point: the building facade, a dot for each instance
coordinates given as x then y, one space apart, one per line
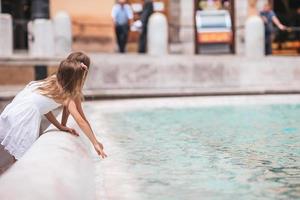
182 24
93 29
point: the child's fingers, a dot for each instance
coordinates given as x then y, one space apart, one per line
75 132
101 153
99 150
103 156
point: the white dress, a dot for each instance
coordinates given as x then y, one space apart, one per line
21 119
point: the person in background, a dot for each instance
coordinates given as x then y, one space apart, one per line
297 25
269 17
218 4
226 5
145 15
122 16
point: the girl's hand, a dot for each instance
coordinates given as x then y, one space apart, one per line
99 149
69 130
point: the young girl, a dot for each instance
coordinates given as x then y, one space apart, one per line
20 120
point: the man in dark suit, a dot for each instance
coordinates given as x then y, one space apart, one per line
145 15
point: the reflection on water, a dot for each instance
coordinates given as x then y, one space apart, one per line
212 153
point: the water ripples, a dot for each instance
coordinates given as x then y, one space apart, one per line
219 153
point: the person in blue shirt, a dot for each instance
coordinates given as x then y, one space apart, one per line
122 16
269 17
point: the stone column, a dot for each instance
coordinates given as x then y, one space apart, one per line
62 33
174 26
174 20
240 19
157 37
6 33
254 32
41 38
187 27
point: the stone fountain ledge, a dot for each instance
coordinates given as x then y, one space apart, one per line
58 166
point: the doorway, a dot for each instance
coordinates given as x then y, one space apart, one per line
214 26
21 14
287 42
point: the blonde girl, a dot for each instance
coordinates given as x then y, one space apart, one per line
20 121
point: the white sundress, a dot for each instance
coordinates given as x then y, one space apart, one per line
21 119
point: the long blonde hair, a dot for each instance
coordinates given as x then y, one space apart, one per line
68 81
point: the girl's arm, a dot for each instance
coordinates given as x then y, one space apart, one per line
86 128
61 127
80 110
278 23
66 113
65 116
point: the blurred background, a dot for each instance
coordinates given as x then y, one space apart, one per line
238 140
37 34
93 28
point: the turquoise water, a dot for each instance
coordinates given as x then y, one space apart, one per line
242 152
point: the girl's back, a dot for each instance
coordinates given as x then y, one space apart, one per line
20 120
